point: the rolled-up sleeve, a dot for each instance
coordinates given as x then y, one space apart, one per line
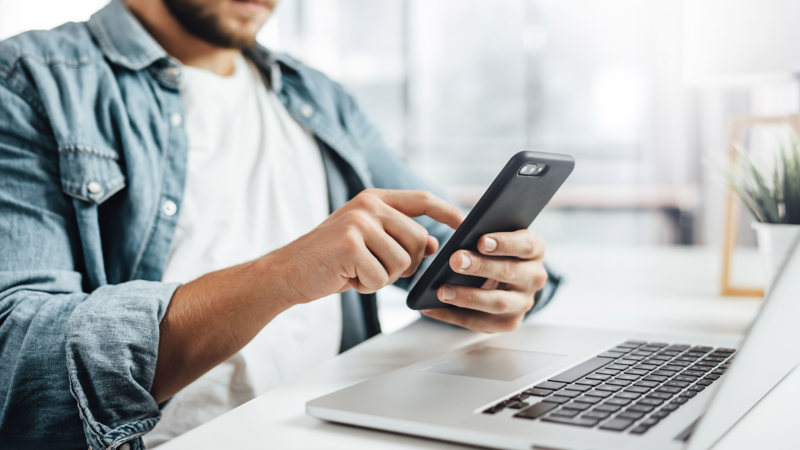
76 362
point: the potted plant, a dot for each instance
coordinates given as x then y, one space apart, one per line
772 194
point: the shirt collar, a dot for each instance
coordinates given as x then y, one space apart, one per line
123 39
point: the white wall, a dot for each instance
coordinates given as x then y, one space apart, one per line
17 16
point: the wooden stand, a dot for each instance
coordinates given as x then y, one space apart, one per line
738 127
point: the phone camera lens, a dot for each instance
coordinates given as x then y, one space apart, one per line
533 169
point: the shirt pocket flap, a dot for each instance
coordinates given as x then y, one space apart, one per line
90 175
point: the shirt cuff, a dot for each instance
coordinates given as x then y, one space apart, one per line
112 347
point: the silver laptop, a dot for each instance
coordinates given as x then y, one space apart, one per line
559 387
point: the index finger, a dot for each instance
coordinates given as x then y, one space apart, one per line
421 203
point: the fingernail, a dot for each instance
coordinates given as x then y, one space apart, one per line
490 244
464 262
448 293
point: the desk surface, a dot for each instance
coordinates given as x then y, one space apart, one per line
652 289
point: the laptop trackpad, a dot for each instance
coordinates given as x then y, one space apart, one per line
496 363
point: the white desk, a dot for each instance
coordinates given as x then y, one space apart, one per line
661 289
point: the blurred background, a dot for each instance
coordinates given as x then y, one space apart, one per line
640 92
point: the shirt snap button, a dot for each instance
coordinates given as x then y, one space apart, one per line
169 208
124 446
173 73
175 119
306 111
94 187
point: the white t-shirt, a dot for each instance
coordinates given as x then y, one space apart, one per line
255 182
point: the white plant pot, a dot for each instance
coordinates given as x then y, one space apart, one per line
773 244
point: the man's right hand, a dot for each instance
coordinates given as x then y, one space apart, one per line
368 243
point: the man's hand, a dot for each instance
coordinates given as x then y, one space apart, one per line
512 264
366 244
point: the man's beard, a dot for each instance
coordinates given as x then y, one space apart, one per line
205 25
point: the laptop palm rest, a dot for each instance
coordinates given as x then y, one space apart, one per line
495 363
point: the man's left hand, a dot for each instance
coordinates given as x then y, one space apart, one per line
512 264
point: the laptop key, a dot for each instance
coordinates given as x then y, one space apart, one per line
581 370
616 425
629 395
588 399
565 412
668 390
557 399
638 407
594 414
611 354
656 378
650 421
536 410
632 415
581 422
599 394
552 385
651 401
660 395
609 388
518 405
598 376
637 389
617 401
607 408
660 414
641 429
627 376
568 393
577 406
539 392
701 349
578 387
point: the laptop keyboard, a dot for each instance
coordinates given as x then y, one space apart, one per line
628 388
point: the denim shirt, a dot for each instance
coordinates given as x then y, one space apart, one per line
92 169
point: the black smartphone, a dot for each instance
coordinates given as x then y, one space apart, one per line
516 196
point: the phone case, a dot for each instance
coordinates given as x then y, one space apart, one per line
511 203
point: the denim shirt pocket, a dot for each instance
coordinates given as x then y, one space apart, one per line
89 173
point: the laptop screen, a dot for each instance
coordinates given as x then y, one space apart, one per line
767 355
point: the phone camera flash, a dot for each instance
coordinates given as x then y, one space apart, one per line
532 169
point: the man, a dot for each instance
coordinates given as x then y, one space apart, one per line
165 192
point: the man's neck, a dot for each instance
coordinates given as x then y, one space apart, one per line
179 43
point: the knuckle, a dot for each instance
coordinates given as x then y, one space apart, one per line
508 271
530 248
425 196
508 323
502 305
351 238
356 218
469 297
383 279
420 234
405 261
367 199
541 280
